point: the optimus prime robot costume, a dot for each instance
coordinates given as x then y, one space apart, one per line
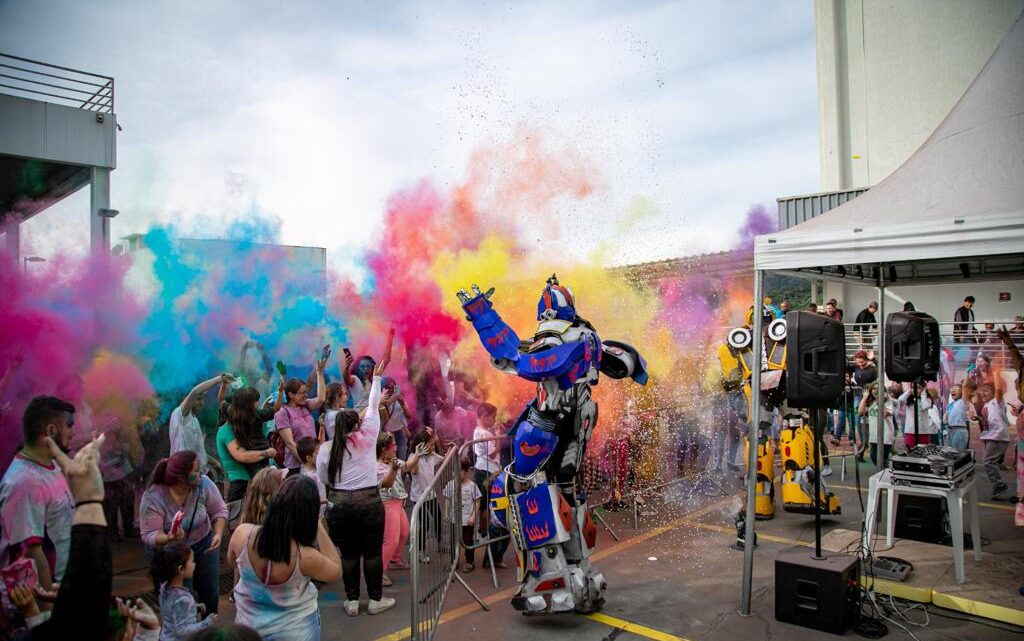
536 497
796 438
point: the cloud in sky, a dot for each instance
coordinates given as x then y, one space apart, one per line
316 112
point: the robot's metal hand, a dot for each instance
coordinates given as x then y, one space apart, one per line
464 296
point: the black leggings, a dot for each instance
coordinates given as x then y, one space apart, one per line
355 520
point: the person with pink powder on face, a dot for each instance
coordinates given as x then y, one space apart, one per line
36 506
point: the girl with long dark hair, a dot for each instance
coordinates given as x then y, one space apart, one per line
347 464
278 561
242 443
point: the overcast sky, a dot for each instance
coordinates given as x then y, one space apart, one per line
314 112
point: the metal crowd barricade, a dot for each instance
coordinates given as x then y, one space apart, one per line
487 540
434 536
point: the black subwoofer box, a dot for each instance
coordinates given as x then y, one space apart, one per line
920 518
820 594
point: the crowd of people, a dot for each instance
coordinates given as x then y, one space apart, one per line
317 481
968 406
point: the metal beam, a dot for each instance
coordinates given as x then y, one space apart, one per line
12 237
99 200
883 393
753 436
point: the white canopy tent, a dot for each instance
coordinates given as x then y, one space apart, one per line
953 211
960 195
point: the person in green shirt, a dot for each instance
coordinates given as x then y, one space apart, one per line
242 441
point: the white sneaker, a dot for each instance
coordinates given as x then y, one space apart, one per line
385 603
424 559
352 608
826 471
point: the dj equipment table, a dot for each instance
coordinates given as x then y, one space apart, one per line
954 496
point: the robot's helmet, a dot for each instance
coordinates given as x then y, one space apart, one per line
556 302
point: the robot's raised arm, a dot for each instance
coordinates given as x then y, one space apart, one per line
500 340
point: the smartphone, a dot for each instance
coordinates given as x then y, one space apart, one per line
325 353
281 368
21 572
179 516
348 354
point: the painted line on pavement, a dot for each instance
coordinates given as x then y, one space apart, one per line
633 628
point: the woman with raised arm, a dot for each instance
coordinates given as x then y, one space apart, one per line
347 464
295 418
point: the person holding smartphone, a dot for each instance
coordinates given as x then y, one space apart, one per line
295 418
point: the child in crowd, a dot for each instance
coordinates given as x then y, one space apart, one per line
337 400
488 458
262 487
393 495
171 566
425 444
308 447
957 434
995 435
918 423
469 499
869 408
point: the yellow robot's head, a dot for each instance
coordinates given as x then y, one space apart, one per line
767 312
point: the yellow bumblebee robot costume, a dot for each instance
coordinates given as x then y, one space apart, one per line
796 438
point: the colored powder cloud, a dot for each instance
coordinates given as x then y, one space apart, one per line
154 322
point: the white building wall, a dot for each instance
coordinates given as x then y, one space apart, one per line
889 72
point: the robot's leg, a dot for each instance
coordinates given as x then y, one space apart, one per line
764 504
797 441
558 577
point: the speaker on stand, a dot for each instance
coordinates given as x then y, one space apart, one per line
818 591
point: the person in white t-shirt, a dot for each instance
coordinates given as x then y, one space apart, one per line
36 506
995 437
347 464
425 444
185 431
469 500
925 419
488 457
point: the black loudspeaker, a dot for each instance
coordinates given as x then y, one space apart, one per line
920 518
823 594
815 360
911 347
